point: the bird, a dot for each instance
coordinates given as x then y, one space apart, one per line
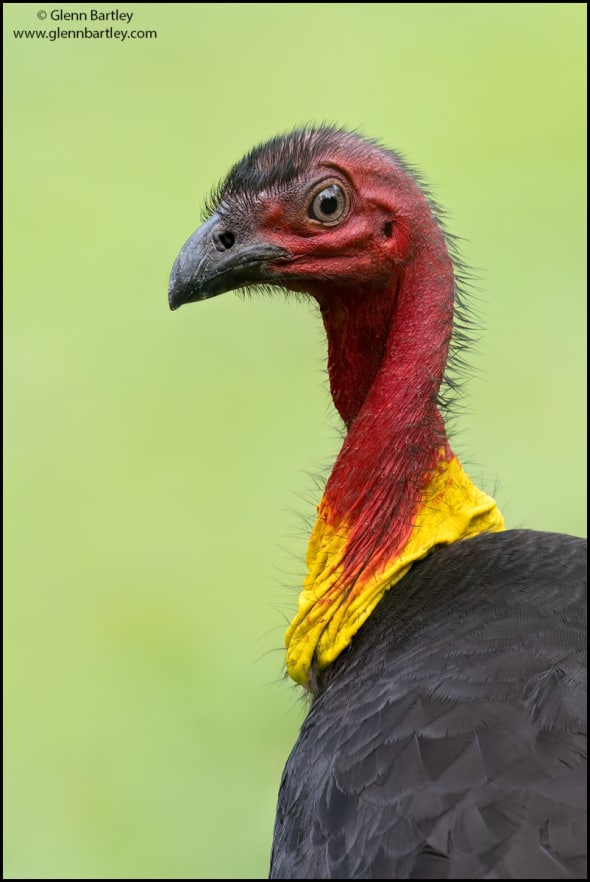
442 654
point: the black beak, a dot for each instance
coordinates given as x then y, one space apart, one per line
215 260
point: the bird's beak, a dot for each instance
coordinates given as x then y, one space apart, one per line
215 260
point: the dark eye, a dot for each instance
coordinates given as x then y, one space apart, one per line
329 205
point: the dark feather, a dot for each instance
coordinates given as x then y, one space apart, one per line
459 752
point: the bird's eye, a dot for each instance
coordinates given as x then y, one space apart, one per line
329 205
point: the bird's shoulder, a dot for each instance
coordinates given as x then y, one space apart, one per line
448 741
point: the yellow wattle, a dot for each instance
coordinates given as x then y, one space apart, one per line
330 612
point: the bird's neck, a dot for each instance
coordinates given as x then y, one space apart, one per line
387 352
393 337
396 490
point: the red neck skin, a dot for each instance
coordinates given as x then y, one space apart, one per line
386 365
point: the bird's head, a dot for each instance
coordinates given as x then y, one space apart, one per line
318 211
329 213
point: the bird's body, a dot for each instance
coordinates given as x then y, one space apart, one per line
448 741
444 656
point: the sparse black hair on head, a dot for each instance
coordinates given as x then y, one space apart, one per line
281 160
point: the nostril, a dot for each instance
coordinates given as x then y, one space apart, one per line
224 241
227 239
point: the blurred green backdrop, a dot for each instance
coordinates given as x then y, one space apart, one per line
157 465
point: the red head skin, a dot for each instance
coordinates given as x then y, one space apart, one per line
384 282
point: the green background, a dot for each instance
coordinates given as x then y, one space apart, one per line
159 466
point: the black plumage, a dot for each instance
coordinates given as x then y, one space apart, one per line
448 741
